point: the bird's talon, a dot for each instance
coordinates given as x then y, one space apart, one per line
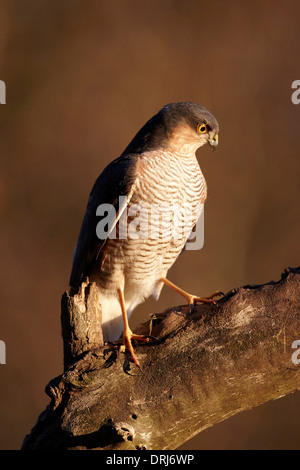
152 337
144 338
127 340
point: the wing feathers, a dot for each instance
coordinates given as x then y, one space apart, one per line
116 180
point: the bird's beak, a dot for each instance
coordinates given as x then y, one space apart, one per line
214 142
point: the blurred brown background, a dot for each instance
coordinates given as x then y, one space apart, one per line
82 77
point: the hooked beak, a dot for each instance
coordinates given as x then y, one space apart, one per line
214 142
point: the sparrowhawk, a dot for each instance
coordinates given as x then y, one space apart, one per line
158 168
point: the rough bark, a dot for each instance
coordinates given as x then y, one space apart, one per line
81 322
203 368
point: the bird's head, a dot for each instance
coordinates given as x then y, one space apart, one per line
179 127
189 126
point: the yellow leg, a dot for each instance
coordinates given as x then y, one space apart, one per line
191 299
127 333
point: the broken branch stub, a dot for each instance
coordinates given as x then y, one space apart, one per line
81 322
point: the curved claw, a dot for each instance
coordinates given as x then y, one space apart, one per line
152 337
127 369
144 338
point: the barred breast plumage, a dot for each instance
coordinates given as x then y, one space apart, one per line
157 171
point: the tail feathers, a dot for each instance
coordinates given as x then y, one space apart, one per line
112 321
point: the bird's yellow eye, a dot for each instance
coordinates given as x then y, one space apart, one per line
201 128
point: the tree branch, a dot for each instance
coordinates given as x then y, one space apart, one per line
203 368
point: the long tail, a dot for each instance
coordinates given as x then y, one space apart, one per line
112 321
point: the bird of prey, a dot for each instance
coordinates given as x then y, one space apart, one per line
158 168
